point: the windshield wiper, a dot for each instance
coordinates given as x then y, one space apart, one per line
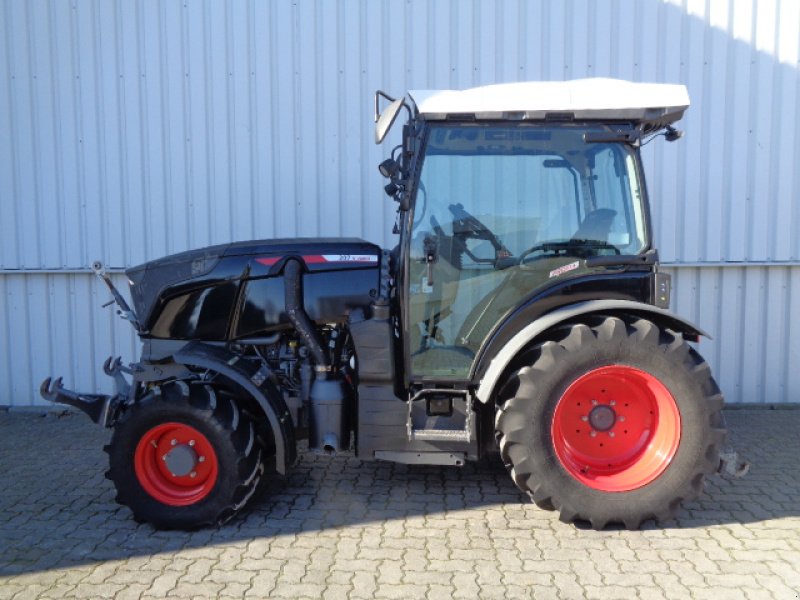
582 248
576 243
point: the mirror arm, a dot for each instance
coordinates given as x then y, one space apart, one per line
378 95
381 94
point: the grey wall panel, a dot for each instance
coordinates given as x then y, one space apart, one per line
129 130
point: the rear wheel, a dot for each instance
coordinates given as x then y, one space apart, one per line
185 456
613 421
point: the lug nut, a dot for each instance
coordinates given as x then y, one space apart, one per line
611 434
174 442
584 418
593 434
164 458
191 442
192 474
612 402
621 417
594 401
201 459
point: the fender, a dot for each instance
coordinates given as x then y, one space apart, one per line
254 382
529 333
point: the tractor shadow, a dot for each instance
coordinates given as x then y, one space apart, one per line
57 510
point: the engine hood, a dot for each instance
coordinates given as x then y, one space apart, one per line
150 281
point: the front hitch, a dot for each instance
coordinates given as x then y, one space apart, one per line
100 408
96 406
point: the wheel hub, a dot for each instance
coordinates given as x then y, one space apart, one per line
181 460
176 464
602 417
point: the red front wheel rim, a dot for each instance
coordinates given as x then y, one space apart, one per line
176 464
616 428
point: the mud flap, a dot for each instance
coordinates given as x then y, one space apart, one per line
254 379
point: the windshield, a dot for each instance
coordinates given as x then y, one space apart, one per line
534 184
502 211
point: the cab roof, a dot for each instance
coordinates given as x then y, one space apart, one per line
654 105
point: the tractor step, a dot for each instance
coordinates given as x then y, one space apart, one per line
440 435
462 433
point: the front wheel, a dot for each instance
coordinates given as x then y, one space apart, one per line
615 421
185 456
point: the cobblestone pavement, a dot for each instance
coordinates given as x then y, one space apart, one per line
338 528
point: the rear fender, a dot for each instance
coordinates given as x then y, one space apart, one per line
255 381
528 334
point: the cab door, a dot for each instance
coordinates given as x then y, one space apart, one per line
500 213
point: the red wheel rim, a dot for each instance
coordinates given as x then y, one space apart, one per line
176 464
616 428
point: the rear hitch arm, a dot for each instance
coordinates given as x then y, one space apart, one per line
100 408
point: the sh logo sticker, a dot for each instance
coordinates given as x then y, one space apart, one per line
564 269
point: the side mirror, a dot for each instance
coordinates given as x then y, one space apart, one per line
387 119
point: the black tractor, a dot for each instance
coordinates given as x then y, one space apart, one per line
521 313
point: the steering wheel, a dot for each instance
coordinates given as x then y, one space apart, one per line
468 226
578 248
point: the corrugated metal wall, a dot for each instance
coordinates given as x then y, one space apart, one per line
129 130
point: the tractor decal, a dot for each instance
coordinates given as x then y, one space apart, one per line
324 258
564 269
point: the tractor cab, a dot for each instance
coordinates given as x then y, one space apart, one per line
515 192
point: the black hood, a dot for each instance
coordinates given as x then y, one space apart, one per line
225 262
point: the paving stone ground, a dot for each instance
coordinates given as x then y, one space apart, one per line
340 528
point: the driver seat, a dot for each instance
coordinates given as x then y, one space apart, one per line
596 226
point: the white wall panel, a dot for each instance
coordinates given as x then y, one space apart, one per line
55 324
129 130
751 314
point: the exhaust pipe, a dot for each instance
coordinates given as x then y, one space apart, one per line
293 299
328 423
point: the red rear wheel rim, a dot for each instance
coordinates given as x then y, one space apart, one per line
616 428
176 464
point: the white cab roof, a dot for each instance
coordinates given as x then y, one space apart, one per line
597 98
